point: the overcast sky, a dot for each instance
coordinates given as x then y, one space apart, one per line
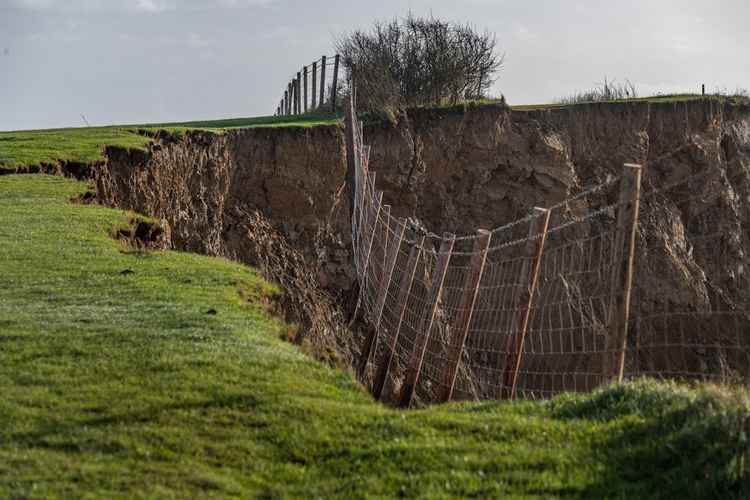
139 61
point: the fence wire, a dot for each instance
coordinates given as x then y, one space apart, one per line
311 89
519 312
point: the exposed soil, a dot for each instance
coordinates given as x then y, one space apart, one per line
277 197
141 234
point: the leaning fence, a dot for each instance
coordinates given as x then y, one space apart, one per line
602 286
315 87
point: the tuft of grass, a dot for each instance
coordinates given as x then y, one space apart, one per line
162 374
701 433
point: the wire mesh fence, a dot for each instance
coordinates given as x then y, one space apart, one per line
543 305
314 88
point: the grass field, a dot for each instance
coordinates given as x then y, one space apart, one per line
127 374
34 147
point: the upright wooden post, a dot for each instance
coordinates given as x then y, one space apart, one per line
621 279
349 123
385 284
291 98
530 275
334 89
304 87
299 92
314 95
322 101
425 328
465 312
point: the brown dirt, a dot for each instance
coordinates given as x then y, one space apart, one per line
452 170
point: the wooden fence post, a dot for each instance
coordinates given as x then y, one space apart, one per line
530 276
294 96
390 265
322 101
613 359
292 104
425 328
407 280
314 96
334 89
465 312
351 149
299 92
304 86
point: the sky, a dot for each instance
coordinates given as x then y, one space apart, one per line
145 61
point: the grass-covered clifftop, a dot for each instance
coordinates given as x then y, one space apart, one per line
86 144
129 373
23 149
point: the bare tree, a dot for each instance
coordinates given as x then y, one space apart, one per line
416 61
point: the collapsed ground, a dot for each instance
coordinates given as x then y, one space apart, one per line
140 373
129 371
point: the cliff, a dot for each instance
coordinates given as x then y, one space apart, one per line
258 195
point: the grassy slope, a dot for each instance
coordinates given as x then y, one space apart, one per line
33 147
121 385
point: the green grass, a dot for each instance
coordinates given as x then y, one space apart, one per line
86 145
118 381
662 98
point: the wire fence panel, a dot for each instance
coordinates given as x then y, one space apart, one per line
691 290
616 281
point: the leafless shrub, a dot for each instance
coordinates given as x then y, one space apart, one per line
416 61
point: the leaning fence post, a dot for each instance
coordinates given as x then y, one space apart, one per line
425 327
366 262
465 313
613 360
385 284
407 280
322 81
334 89
530 277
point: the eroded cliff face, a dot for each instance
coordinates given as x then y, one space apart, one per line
455 171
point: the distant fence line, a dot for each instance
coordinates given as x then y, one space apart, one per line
553 302
309 89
